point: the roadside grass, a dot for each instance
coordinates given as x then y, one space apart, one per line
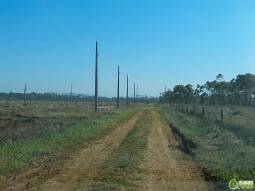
40 118
218 151
22 153
120 172
237 119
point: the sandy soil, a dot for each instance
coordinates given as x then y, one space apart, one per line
166 167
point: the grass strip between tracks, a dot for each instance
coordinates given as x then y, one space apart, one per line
120 171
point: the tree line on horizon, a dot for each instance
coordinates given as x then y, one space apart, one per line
238 91
61 97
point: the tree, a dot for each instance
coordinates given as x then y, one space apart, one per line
240 90
180 94
219 78
244 86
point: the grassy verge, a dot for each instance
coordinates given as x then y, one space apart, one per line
237 119
218 151
37 119
26 152
120 171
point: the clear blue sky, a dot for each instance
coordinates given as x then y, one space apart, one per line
50 44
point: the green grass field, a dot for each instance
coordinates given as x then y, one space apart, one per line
41 139
223 151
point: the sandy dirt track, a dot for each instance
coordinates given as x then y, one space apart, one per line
77 172
166 167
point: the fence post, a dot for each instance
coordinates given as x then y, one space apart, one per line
203 111
182 108
194 109
25 94
221 115
187 108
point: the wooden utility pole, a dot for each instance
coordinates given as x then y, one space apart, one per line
137 92
71 93
127 91
134 93
96 81
25 94
118 88
71 89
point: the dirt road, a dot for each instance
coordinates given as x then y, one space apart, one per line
80 169
77 173
166 167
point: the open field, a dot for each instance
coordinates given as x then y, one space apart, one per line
127 95
66 146
37 118
43 133
127 149
224 150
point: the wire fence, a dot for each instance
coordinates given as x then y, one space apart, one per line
214 115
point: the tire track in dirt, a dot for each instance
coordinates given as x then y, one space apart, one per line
165 166
78 172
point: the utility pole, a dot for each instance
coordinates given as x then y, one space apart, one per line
137 91
127 91
96 81
134 93
118 88
165 89
25 94
71 89
71 94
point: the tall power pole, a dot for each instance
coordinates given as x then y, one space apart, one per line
134 93
137 92
96 80
71 93
118 88
71 89
25 94
127 91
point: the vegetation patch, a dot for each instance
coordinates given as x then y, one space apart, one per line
37 119
219 152
21 153
120 171
185 144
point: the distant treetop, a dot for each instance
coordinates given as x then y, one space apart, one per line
219 78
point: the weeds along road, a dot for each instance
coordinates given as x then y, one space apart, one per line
141 154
